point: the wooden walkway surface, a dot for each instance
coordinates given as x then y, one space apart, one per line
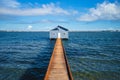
58 68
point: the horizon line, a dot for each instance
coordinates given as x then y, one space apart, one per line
49 30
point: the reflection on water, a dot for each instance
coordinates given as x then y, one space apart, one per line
91 55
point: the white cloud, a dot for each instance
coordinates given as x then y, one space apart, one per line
104 11
45 9
29 27
9 3
53 21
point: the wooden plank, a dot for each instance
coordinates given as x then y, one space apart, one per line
58 68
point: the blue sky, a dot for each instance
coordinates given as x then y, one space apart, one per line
40 15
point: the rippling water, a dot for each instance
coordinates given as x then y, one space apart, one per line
91 55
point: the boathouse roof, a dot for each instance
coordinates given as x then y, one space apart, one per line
59 27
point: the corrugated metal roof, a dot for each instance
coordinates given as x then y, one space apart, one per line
62 28
57 28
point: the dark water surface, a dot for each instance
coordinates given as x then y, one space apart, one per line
91 55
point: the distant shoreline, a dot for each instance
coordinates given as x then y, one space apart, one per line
69 31
24 31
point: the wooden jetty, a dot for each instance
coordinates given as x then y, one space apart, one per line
58 68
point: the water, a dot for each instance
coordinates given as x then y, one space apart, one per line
91 55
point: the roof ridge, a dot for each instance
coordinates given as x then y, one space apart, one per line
62 28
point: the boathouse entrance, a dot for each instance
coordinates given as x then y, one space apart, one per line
59 35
